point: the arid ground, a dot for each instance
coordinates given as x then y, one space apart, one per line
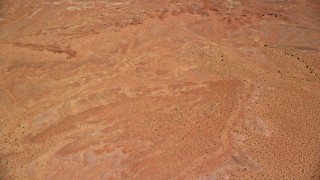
160 89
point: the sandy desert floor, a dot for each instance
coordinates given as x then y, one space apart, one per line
160 89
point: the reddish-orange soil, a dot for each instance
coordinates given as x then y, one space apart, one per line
160 89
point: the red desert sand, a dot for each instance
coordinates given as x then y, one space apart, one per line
160 89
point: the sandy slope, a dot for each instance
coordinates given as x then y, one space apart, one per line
141 89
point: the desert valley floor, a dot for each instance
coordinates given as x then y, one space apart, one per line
160 89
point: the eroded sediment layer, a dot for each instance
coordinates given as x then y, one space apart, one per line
159 89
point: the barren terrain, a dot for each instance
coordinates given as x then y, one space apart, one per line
160 89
